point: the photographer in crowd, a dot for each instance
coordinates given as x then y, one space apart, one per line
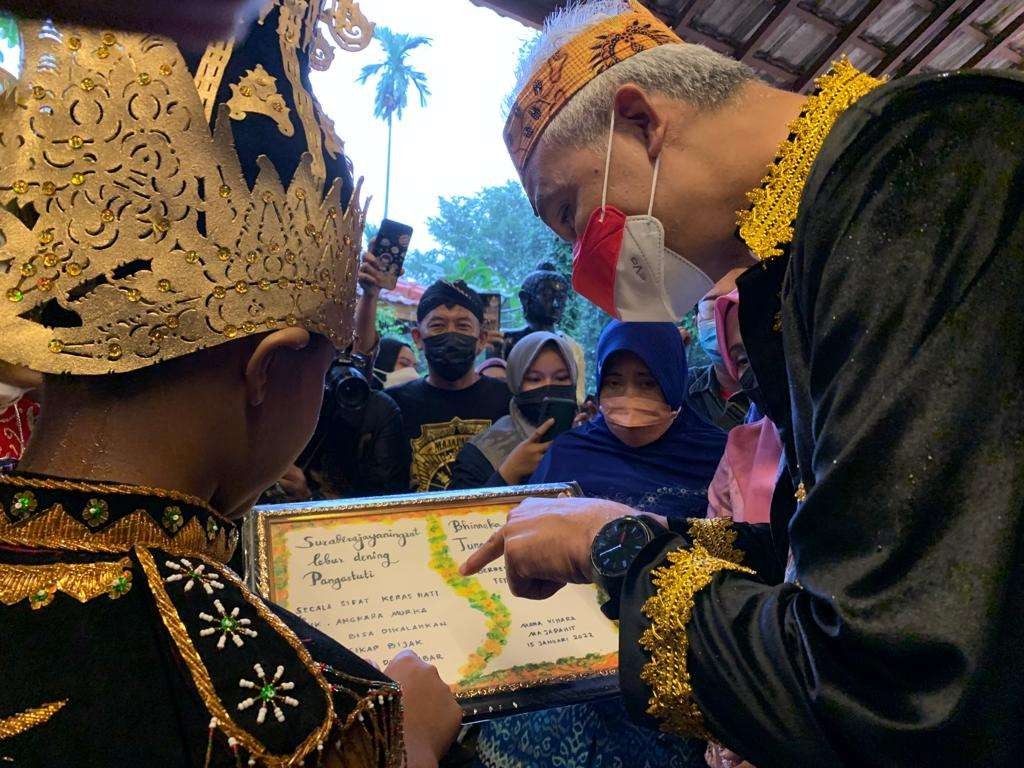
357 448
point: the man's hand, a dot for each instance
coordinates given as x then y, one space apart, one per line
432 716
526 457
546 543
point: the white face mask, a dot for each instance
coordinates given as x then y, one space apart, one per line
400 376
621 262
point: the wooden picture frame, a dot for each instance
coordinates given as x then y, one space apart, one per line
380 574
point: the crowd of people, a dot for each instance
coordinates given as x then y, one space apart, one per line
823 524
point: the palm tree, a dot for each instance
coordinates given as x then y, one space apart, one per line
394 76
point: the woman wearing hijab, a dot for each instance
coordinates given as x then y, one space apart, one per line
646 448
540 366
745 481
395 363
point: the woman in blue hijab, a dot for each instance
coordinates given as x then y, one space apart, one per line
647 448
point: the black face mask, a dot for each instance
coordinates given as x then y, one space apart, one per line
750 387
531 403
450 355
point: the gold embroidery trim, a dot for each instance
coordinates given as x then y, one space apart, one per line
717 536
122 489
768 224
30 718
57 529
669 609
201 676
256 93
83 581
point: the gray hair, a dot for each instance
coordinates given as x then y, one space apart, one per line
691 73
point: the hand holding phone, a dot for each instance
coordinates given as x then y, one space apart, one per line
389 248
562 410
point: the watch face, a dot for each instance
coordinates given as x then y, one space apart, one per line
618 544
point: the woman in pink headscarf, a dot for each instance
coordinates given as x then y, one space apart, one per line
745 479
743 484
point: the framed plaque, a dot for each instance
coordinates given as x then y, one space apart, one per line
380 575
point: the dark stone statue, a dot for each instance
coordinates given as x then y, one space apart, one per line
543 295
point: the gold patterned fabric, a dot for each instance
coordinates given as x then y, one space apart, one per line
38 514
153 207
596 50
669 609
717 536
83 581
767 226
30 718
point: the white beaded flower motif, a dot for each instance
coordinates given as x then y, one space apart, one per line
228 624
268 694
193 574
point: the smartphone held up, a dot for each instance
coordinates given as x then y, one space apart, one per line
390 247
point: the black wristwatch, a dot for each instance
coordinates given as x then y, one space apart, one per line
615 548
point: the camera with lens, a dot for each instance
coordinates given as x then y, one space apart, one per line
348 381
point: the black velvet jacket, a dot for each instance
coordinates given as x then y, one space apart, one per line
894 372
125 641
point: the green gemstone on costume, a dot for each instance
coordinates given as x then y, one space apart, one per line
24 504
267 692
121 585
173 519
228 624
96 512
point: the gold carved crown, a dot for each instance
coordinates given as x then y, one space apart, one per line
594 51
155 205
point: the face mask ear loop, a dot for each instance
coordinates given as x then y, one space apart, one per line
607 165
654 184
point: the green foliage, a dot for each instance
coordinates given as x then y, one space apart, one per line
388 323
492 240
394 74
8 32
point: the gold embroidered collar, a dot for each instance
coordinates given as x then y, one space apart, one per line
767 226
40 511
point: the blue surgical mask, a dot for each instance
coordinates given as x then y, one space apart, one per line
707 337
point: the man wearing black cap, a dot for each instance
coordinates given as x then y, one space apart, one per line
444 410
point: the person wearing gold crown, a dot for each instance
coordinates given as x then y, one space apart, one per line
876 621
179 246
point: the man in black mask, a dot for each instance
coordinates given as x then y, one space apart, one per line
442 411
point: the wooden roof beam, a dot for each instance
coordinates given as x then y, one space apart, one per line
936 31
997 44
857 25
745 52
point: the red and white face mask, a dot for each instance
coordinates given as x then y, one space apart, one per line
621 264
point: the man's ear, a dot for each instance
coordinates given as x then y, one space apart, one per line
260 362
633 106
417 337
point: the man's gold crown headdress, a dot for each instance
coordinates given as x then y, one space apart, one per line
594 51
156 204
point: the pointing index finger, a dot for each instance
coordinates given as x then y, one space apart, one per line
491 550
